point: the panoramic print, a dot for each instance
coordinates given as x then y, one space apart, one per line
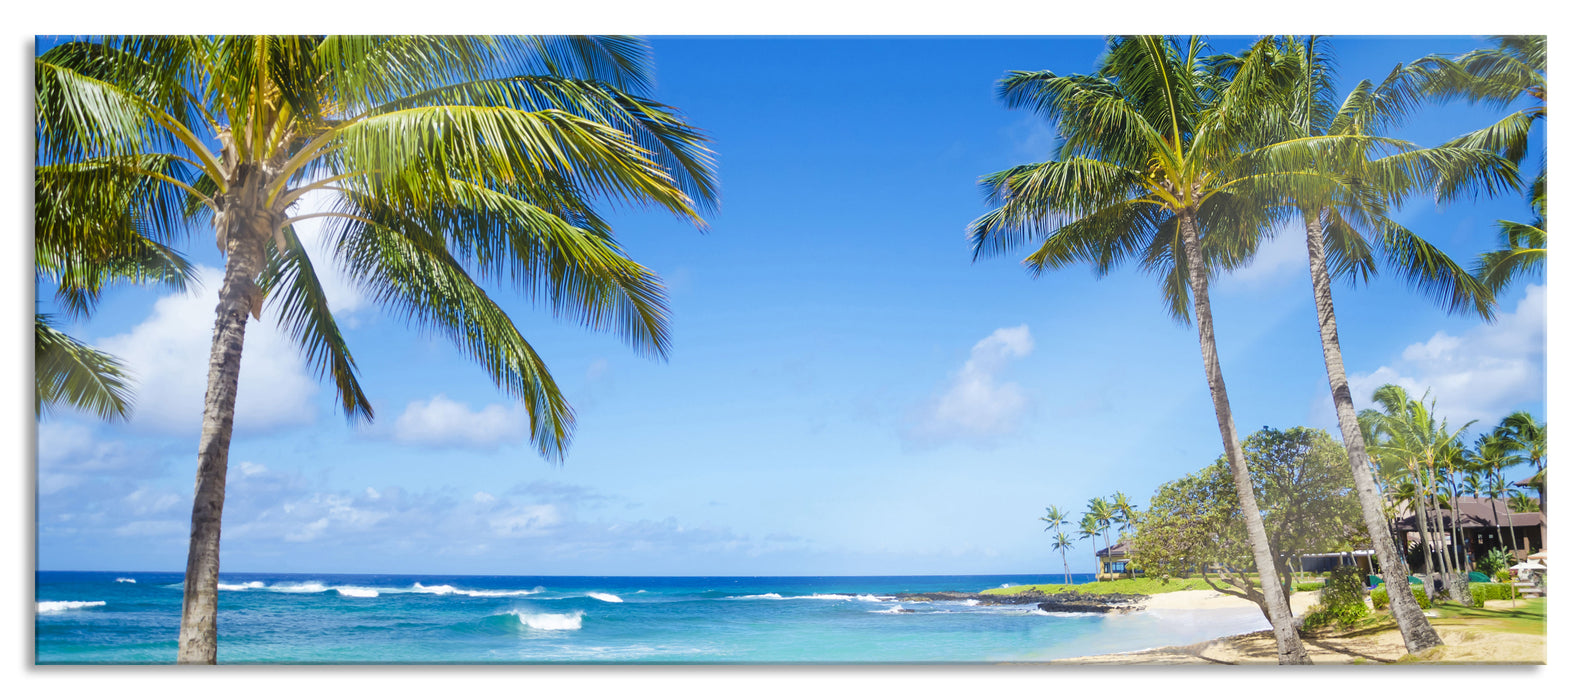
790 350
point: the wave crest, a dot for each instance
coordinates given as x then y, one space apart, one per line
53 606
551 621
606 597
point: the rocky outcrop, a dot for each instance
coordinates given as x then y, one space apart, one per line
1047 602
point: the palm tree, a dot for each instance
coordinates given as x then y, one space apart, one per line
1530 438
450 163
1498 488
1155 162
1103 513
1088 528
1420 444
80 259
1345 223
1061 544
1055 520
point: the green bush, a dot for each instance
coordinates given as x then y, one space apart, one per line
1316 585
1495 561
1341 602
1381 598
1489 591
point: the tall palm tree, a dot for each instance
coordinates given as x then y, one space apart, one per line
449 162
1346 224
1103 513
1155 162
1125 513
1499 489
1054 519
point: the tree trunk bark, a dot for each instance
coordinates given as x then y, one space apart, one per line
239 296
1285 632
1459 589
1424 532
1065 566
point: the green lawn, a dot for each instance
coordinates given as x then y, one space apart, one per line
1144 586
1530 618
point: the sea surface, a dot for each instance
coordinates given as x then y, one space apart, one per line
132 618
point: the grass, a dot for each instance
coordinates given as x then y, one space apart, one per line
1530 618
1144 586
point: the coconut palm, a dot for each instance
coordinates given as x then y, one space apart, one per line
80 259
1154 163
1125 514
448 163
1103 513
1347 228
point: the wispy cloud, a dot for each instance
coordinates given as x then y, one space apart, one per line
441 422
1479 375
977 405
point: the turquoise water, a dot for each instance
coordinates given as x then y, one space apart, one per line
132 618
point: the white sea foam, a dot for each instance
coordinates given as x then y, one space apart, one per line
871 599
126 580
447 589
1036 611
760 596
551 621
250 585
823 596
54 606
357 592
305 587
896 610
606 597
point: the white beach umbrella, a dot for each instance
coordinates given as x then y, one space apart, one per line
1529 565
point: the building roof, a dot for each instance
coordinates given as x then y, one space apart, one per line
1476 512
1119 549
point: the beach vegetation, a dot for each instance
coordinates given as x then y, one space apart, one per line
1381 598
1189 529
443 166
1343 602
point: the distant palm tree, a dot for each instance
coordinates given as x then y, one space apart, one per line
1061 544
1055 520
451 163
1089 529
1522 503
1103 513
1156 162
1531 439
1125 514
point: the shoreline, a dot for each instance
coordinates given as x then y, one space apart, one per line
1380 645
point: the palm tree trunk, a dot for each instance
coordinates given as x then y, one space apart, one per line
1065 566
1458 579
1423 533
239 296
1415 630
1285 633
1098 565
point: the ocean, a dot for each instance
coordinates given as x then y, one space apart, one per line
132 618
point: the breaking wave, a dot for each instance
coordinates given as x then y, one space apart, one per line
606 597
53 606
126 580
550 621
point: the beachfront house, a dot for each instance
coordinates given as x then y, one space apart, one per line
1115 561
1482 530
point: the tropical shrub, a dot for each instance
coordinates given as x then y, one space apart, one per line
1312 586
1495 561
1381 598
1342 602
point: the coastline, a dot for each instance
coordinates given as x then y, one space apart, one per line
1372 646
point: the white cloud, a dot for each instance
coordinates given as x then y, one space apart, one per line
977 405
1279 259
441 422
168 353
1480 375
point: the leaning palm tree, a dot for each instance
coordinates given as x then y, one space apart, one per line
1154 163
448 163
1103 513
1347 228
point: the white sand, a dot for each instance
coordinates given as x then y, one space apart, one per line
1211 600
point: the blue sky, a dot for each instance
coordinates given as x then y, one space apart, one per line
847 394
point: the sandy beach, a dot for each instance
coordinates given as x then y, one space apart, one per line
1463 644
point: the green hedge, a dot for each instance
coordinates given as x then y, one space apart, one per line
1381 598
1314 586
1489 591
